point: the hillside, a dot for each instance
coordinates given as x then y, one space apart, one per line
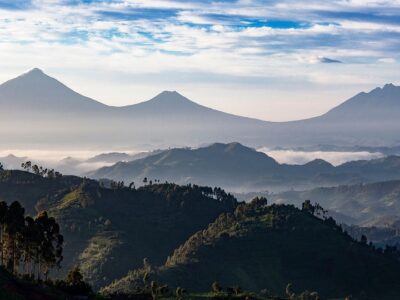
266 247
12 288
240 169
55 113
111 230
356 204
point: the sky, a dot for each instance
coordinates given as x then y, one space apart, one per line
272 60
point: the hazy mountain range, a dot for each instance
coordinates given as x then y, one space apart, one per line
367 205
36 109
239 168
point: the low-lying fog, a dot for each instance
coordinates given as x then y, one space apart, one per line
74 162
302 157
80 162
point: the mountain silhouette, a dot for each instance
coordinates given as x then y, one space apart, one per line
239 168
38 109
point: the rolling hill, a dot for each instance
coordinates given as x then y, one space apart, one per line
58 115
263 247
109 231
239 168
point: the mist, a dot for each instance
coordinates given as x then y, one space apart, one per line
333 157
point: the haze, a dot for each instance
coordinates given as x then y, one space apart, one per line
273 60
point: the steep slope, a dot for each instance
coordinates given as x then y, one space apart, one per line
239 168
367 119
377 105
37 92
109 231
266 247
119 228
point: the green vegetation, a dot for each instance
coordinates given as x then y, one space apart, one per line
28 246
181 242
265 247
109 231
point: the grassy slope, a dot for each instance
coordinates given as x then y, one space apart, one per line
110 231
266 248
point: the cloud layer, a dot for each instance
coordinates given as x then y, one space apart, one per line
209 49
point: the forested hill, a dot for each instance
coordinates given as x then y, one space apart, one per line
261 247
238 168
109 230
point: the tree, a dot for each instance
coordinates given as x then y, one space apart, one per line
27 241
308 207
74 277
216 287
27 166
14 228
364 240
36 169
1 167
145 180
3 215
50 243
289 292
75 283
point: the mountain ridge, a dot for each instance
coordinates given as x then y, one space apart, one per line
239 168
56 113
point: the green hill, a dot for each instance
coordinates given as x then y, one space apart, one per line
262 247
109 231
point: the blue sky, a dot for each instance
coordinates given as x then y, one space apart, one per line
275 60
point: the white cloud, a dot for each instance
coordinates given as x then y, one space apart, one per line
302 157
204 37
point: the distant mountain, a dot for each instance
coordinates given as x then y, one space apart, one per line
37 92
112 157
12 162
262 247
377 105
367 205
57 115
239 168
367 119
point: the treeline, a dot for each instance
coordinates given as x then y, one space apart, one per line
30 247
39 170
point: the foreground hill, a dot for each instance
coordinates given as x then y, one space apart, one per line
55 113
13 288
266 247
239 168
111 230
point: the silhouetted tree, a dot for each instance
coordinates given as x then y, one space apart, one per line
27 166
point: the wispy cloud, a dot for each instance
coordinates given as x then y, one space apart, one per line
263 41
